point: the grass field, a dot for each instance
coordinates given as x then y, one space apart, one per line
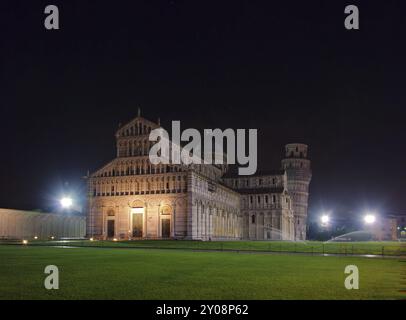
101 273
346 248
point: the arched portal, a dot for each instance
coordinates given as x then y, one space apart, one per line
165 217
111 223
137 217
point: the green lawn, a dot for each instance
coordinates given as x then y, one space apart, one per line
349 248
91 273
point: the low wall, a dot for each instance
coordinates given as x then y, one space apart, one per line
19 224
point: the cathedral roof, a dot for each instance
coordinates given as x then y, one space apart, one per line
260 190
230 175
138 120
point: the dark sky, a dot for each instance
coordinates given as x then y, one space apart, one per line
288 68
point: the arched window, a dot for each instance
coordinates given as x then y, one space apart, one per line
253 218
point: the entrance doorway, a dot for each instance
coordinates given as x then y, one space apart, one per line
137 222
166 228
110 228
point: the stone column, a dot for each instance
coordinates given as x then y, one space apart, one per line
129 227
191 222
234 226
214 223
228 224
103 222
173 221
202 222
199 218
207 223
145 222
210 224
158 226
223 223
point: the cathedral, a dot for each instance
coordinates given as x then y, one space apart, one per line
130 198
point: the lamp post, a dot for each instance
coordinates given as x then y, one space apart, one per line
325 219
371 226
369 218
66 202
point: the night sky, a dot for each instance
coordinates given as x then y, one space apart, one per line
289 69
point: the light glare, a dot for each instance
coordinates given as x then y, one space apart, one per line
66 202
369 218
325 219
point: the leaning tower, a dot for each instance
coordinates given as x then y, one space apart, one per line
299 174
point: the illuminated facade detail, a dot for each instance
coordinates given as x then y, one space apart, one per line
130 198
266 206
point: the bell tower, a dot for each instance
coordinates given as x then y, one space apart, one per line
299 174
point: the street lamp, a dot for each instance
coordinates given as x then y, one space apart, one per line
325 219
66 202
369 218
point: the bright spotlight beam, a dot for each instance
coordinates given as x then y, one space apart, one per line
369 218
325 219
66 202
